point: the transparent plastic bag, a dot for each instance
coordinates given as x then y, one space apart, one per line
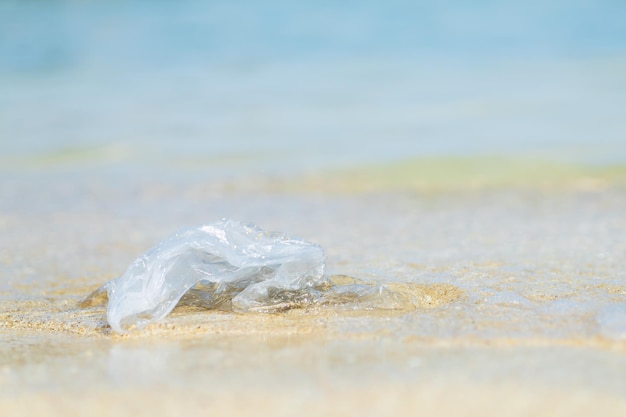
238 262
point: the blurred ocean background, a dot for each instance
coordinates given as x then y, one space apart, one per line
278 86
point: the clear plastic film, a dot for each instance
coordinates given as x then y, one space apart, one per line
238 267
238 262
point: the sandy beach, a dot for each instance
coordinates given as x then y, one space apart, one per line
513 303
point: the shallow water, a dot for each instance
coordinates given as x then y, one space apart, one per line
549 261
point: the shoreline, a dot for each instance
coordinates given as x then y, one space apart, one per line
536 270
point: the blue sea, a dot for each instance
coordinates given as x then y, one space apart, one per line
279 86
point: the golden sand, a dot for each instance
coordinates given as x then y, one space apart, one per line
61 359
471 324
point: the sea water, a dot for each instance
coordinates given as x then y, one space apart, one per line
279 86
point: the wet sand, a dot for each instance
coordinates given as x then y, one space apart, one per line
511 302
60 360
276 374
220 363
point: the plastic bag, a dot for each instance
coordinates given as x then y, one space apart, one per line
239 262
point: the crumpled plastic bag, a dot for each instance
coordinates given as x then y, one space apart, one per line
238 261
